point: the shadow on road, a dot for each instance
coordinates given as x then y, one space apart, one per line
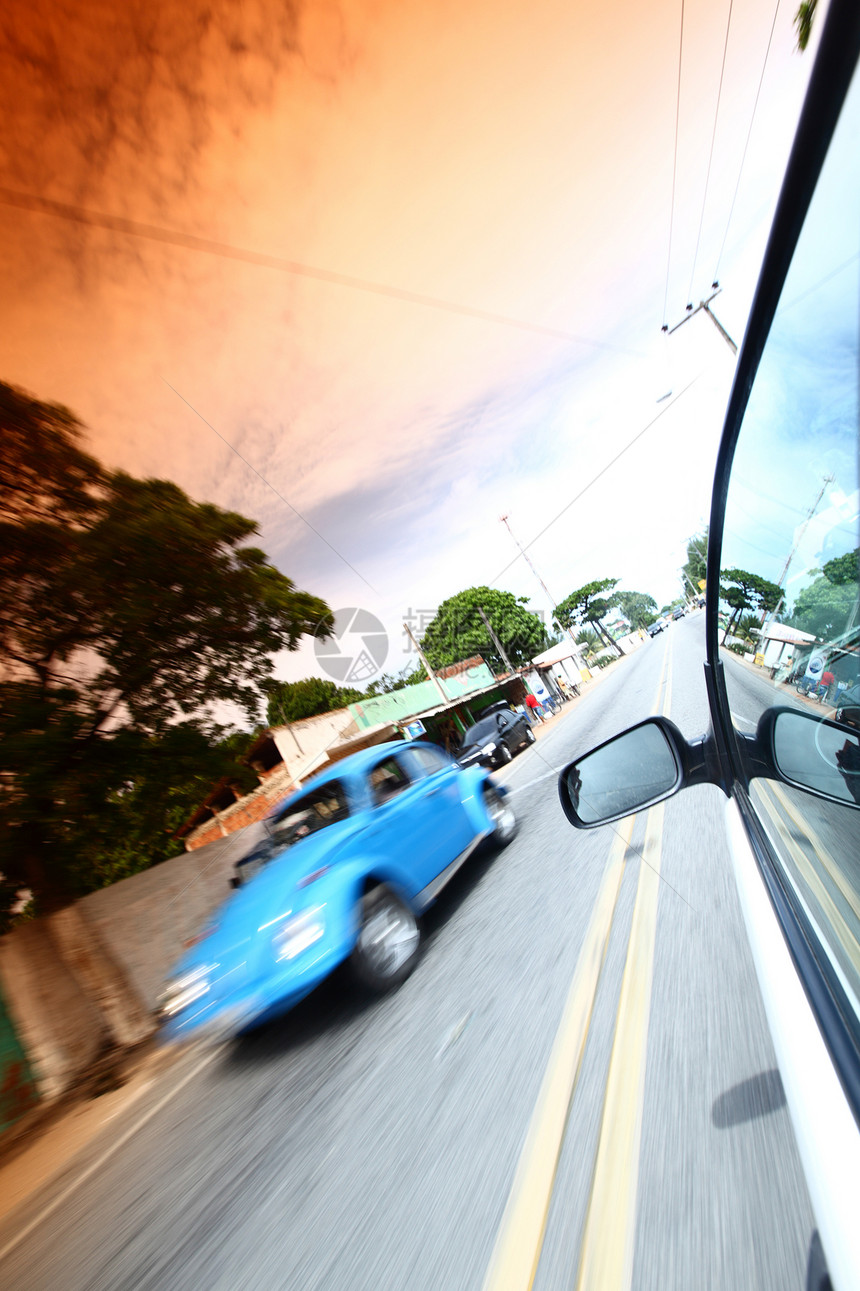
332 1009
758 1096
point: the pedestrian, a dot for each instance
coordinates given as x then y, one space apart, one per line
533 707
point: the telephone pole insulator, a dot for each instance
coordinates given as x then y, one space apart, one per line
705 305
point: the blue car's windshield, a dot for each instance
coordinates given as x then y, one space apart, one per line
314 811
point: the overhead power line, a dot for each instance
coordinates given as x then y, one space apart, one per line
595 478
749 135
269 485
711 153
674 167
706 306
191 242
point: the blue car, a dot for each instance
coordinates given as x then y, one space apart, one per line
345 869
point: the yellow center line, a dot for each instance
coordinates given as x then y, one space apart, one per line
514 1262
667 697
608 1242
518 1245
606 1255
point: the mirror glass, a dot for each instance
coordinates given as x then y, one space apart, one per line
790 610
818 755
629 772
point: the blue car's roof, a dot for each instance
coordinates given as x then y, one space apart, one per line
350 768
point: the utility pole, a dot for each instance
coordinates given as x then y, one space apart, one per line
828 479
290 729
695 590
551 599
496 642
430 673
705 305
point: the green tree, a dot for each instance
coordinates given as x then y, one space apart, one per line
843 570
44 473
825 608
590 641
589 605
746 627
290 701
154 787
458 632
745 591
695 567
123 610
803 22
390 681
638 608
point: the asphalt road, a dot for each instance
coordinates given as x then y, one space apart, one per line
388 1145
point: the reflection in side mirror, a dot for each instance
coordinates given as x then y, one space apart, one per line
818 755
633 770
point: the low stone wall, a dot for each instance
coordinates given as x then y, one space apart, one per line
57 1025
144 923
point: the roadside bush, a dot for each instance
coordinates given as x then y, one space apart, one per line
602 660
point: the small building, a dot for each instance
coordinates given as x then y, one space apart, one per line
562 662
781 646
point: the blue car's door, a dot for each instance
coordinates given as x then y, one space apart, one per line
418 823
443 782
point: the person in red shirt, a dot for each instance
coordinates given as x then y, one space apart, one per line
827 680
533 706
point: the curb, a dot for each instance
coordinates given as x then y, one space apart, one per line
46 1144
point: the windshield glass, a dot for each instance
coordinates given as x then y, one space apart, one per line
307 815
790 629
317 809
481 732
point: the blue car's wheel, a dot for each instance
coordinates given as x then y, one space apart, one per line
502 816
388 942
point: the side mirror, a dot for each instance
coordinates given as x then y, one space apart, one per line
652 761
813 753
633 770
235 882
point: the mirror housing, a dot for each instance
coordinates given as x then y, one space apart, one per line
636 769
652 761
811 753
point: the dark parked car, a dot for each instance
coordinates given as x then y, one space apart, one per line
495 738
848 707
653 628
790 776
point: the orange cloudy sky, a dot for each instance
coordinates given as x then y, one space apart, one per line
407 260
